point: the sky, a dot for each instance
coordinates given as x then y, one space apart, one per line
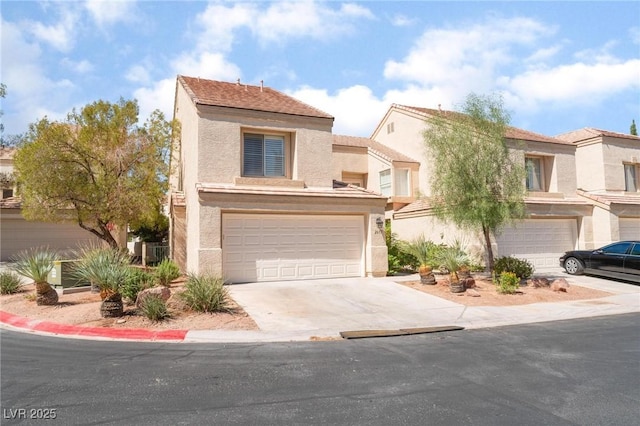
559 66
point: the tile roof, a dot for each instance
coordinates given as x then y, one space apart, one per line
511 133
384 151
10 203
586 133
609 198
244 96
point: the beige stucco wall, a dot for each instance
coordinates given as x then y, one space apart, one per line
407 139
348 159
589 167
616 152
213 205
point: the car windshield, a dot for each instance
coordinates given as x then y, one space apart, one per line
617 248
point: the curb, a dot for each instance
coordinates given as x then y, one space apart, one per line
27 324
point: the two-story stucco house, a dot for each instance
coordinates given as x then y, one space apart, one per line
253 190
608 177
557 219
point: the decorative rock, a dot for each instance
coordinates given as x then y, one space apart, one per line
473 293
468 282
121 321
538 282
560 285
163 292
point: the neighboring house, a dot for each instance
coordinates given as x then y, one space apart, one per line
608 177
253 191
557 219
17 234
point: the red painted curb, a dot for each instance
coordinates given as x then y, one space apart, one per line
77 330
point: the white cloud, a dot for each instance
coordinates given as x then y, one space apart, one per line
109 12
573 84
206 65
402 21
139 73
634 35
80 67
60 35
159 96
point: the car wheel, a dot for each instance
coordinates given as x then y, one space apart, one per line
573 266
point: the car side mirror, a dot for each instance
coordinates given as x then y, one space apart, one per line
598 251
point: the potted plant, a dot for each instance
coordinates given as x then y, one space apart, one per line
453 259
36 264
422 249
108 269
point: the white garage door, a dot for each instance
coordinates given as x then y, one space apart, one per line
270 247
629 229
540 241
19 234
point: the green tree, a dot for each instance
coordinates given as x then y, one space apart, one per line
632 129
97 168
476 182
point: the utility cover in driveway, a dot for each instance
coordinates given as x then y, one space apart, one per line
275 247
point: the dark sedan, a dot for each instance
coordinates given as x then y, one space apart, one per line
618 260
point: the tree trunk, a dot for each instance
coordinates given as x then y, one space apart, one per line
487 241
45 294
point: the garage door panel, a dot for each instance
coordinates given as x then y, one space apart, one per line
629 228
540 241
280 247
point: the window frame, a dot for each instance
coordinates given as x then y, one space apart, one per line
265 137
634 184
406 173
387 189
542 185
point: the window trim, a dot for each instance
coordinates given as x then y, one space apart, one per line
266 134
541 173
636 172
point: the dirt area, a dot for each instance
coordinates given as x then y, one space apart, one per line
83 308
489 296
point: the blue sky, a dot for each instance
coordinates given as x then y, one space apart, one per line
560 66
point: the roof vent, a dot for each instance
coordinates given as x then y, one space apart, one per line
238 82
261 85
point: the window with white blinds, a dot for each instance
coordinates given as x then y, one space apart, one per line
263 155
385 182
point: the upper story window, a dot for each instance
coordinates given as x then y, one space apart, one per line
263 155
631 177
535 173
390 128
385 182
401 180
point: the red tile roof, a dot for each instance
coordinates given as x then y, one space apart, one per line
378 148
244 96
511 133
587 133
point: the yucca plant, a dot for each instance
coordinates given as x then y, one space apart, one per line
205 293
108 269
452 259
36 263
166 271
10 282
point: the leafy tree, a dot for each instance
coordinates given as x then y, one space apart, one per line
151 229
476 183
632 129
98 168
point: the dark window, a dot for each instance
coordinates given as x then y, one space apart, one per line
263 155
7 193
635 251
617 248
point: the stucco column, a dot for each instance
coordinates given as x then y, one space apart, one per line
376 253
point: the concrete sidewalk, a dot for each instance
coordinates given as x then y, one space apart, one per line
320 309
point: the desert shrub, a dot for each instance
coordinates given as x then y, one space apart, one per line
10 282
166 271
102 266
507 283
137 281
398 259
205 293
523 269
154 308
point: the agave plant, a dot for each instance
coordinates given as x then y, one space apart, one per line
108 269
36 263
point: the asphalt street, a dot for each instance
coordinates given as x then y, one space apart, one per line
584 371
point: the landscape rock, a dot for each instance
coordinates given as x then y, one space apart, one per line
539 282
473 293
469 282
560 285
162 292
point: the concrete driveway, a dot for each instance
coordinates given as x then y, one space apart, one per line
342 304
